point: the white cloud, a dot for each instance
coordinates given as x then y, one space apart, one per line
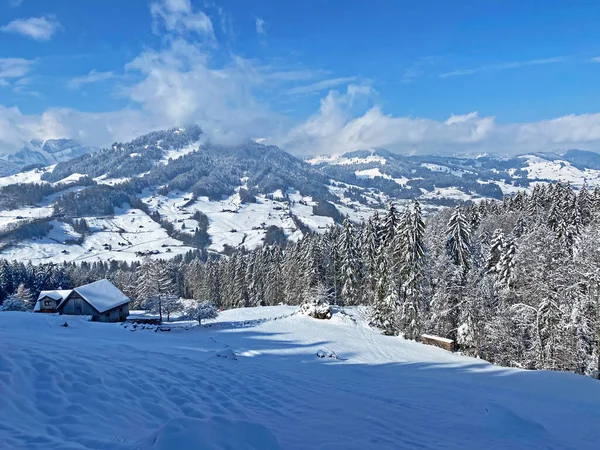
38 28
15 3
321 86
92 77
89 128
418 68
595 59
565 131
178 16
13 68
180 82
461 118
503 66
334 129
261 27
186 81
178 85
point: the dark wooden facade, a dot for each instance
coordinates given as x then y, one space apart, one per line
47 305
76 305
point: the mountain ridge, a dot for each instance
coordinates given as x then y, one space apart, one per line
171 192
45 152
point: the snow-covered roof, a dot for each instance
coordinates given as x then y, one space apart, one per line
57 295
102 295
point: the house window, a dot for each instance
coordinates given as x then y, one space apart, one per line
47 303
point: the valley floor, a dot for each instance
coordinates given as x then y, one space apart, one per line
101 386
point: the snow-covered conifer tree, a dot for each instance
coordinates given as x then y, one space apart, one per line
506 263
13 303
25 295
350 265
459 240
495 252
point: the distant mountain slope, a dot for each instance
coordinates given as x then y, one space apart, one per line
172 192
8 168
189 193
45 153
443 179
583 159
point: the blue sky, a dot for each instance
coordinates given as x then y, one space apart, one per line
318 76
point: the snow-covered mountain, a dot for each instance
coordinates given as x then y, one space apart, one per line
173 192
165 194
446 179
45 153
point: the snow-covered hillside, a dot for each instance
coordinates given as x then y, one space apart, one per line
438 178
129 235
242 194
280 196
102 386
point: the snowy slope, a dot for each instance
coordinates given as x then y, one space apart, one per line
129 235
29 176
507 174
286 189
102 386
345 160
560 170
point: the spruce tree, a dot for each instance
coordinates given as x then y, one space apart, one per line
25 295
506 263
459 240
350 266
496 247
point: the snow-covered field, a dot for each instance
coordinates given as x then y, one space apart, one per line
447 193
123 237
14 216
559 170
101 386
30 176
445 169
343 160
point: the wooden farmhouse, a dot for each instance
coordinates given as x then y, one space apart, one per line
48 301
101 300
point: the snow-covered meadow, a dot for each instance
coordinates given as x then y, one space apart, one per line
103 386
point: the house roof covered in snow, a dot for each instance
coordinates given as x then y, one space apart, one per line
102 295
57 295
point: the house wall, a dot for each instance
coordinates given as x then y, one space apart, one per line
118 314
47 309
77 306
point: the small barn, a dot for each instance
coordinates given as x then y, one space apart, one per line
102 300
48 301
